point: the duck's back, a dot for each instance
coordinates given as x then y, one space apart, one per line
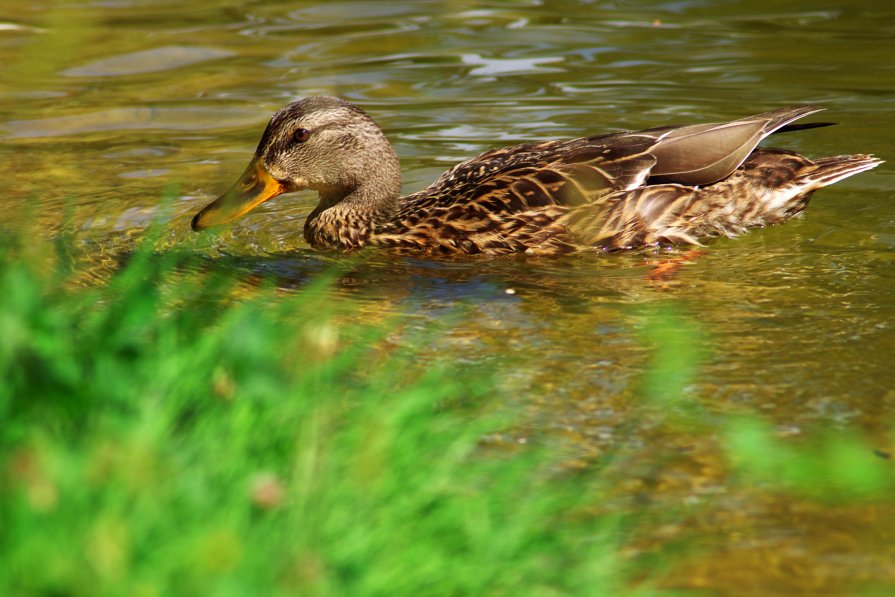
596 165
615 191
506 199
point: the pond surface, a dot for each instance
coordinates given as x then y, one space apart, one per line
106 107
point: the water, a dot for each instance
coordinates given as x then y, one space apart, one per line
105 107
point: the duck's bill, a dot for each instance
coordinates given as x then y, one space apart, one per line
253 188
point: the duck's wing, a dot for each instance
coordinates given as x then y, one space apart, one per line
522 177
701 154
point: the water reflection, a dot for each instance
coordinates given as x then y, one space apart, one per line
147 61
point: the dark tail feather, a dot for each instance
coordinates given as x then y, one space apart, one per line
802 126
826 171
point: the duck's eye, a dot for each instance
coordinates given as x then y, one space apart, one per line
301 135
249 181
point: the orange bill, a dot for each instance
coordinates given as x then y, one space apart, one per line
253 188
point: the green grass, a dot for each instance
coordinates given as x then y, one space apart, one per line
160 437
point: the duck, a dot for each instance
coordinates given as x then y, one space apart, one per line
667 185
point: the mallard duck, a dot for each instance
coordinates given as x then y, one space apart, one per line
671 184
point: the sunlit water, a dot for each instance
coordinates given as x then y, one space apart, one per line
106 107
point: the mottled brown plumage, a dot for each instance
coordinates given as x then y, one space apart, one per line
673 184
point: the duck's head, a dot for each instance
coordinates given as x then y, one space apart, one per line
321 143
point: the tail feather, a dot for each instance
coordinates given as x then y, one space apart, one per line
802 126
826 171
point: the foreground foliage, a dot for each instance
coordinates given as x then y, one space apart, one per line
160 437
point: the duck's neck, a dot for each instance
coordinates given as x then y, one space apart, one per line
344 218
362 195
